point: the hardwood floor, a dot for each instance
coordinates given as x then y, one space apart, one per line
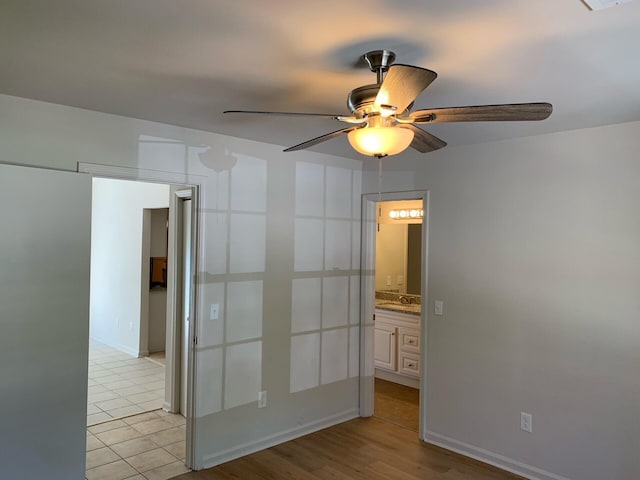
397 404
361 449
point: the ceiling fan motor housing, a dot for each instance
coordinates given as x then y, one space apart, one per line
361 100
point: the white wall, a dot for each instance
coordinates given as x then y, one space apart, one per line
116 259
534 250
279 253
44 309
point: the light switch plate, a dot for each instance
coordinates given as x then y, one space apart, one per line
438 307
262 399
214 313
400 279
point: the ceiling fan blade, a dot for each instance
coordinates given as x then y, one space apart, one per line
422 141
341 118
286 114
323 138
401 86
484 113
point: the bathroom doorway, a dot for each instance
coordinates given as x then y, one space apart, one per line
398 265
394 255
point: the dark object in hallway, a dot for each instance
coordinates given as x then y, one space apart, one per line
364 448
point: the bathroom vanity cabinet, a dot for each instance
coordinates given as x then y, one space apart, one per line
397 346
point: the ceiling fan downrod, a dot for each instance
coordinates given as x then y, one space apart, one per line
379 62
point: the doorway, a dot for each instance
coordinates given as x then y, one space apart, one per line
398 266
394 265
175 417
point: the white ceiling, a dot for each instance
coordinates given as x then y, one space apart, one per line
183 62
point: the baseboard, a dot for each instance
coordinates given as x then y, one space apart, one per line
276 439
396 378
485 456
117 346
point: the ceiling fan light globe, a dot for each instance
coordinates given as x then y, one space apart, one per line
380 141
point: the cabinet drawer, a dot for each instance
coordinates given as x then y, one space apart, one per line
409 364
409 340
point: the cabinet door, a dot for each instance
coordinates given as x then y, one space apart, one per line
385 347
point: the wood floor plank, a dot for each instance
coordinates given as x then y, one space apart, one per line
361 449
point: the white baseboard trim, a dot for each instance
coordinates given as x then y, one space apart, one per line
485 456
117 346
271 440
396 378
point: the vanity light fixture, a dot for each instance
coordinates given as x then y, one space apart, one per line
406 214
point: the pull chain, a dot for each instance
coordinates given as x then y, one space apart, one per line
379 190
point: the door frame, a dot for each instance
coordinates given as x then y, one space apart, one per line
194 183
367 299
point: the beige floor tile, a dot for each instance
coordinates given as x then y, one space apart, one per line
95 418
136 477
98 373
167 437
176 449
118 435
105 427
166 472
150 460
119 384
112 471
143 397
126 391
158 385
125 411
91 409
109 378
101 456
96 389
152 426
101 397
175 420
93 443
143 417
151 404
134 446
113 403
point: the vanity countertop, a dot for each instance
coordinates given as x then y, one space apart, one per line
393 306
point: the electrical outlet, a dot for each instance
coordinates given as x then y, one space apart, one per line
526 422
262 399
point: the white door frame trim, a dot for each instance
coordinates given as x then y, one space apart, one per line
194 186
367 299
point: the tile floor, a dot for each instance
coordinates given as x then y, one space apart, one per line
147 446
121 384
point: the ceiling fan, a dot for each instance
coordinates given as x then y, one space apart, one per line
381 122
